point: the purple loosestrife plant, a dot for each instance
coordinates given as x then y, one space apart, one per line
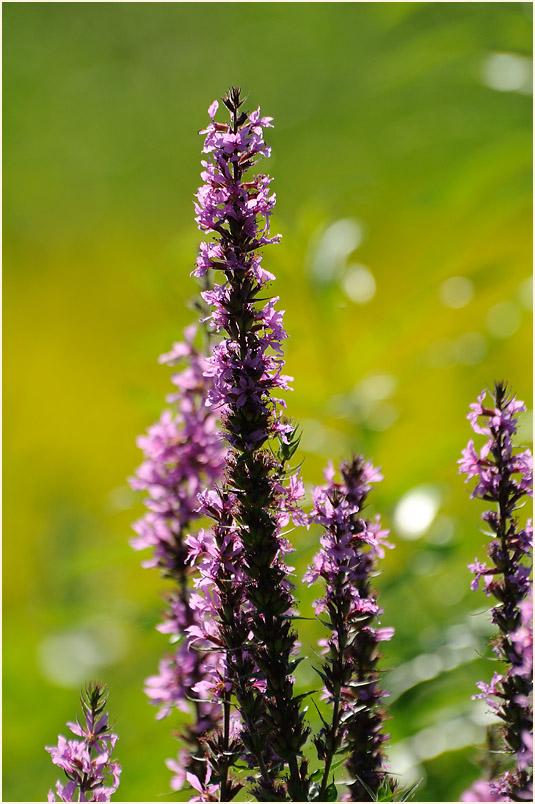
183 456
255 617
223 624
233 608
91 775
504 478
350 548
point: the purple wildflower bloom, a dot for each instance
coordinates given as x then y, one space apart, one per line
184 456
178 768
482 790
207 791
346 562
251 593
87 762
505 477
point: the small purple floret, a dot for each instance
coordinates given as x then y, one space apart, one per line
505 477
91 774
350 548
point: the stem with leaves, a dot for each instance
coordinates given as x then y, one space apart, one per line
505 478
350 548
246 368
87 762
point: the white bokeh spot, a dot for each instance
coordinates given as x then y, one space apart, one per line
508 72
359 283
456 292
416 511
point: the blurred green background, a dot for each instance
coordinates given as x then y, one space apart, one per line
402 165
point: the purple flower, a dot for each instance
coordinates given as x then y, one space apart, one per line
208 792
183 455
482 790
496 467
346 562
521 656
504 477
177 677
178 767
247 581
91 774
481 571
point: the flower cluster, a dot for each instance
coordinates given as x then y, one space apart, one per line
482 790
222 455
505 477
245 369
87 762
246 366
346 562
184 455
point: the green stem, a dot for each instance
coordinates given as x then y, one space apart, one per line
331 751
294 786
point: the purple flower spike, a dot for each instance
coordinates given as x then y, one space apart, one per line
350 548
505 477
91 774
249 592
183 458
183 455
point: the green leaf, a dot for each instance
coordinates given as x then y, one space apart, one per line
321 674
337 764
408 792
299 698
293 663
321 716
331 794
370 792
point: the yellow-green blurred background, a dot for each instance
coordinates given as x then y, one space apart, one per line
402 165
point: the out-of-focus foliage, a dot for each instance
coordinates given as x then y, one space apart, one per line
401 157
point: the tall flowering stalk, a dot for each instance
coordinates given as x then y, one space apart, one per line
233 608
87 762
350 548
183 455
505 477
246 371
